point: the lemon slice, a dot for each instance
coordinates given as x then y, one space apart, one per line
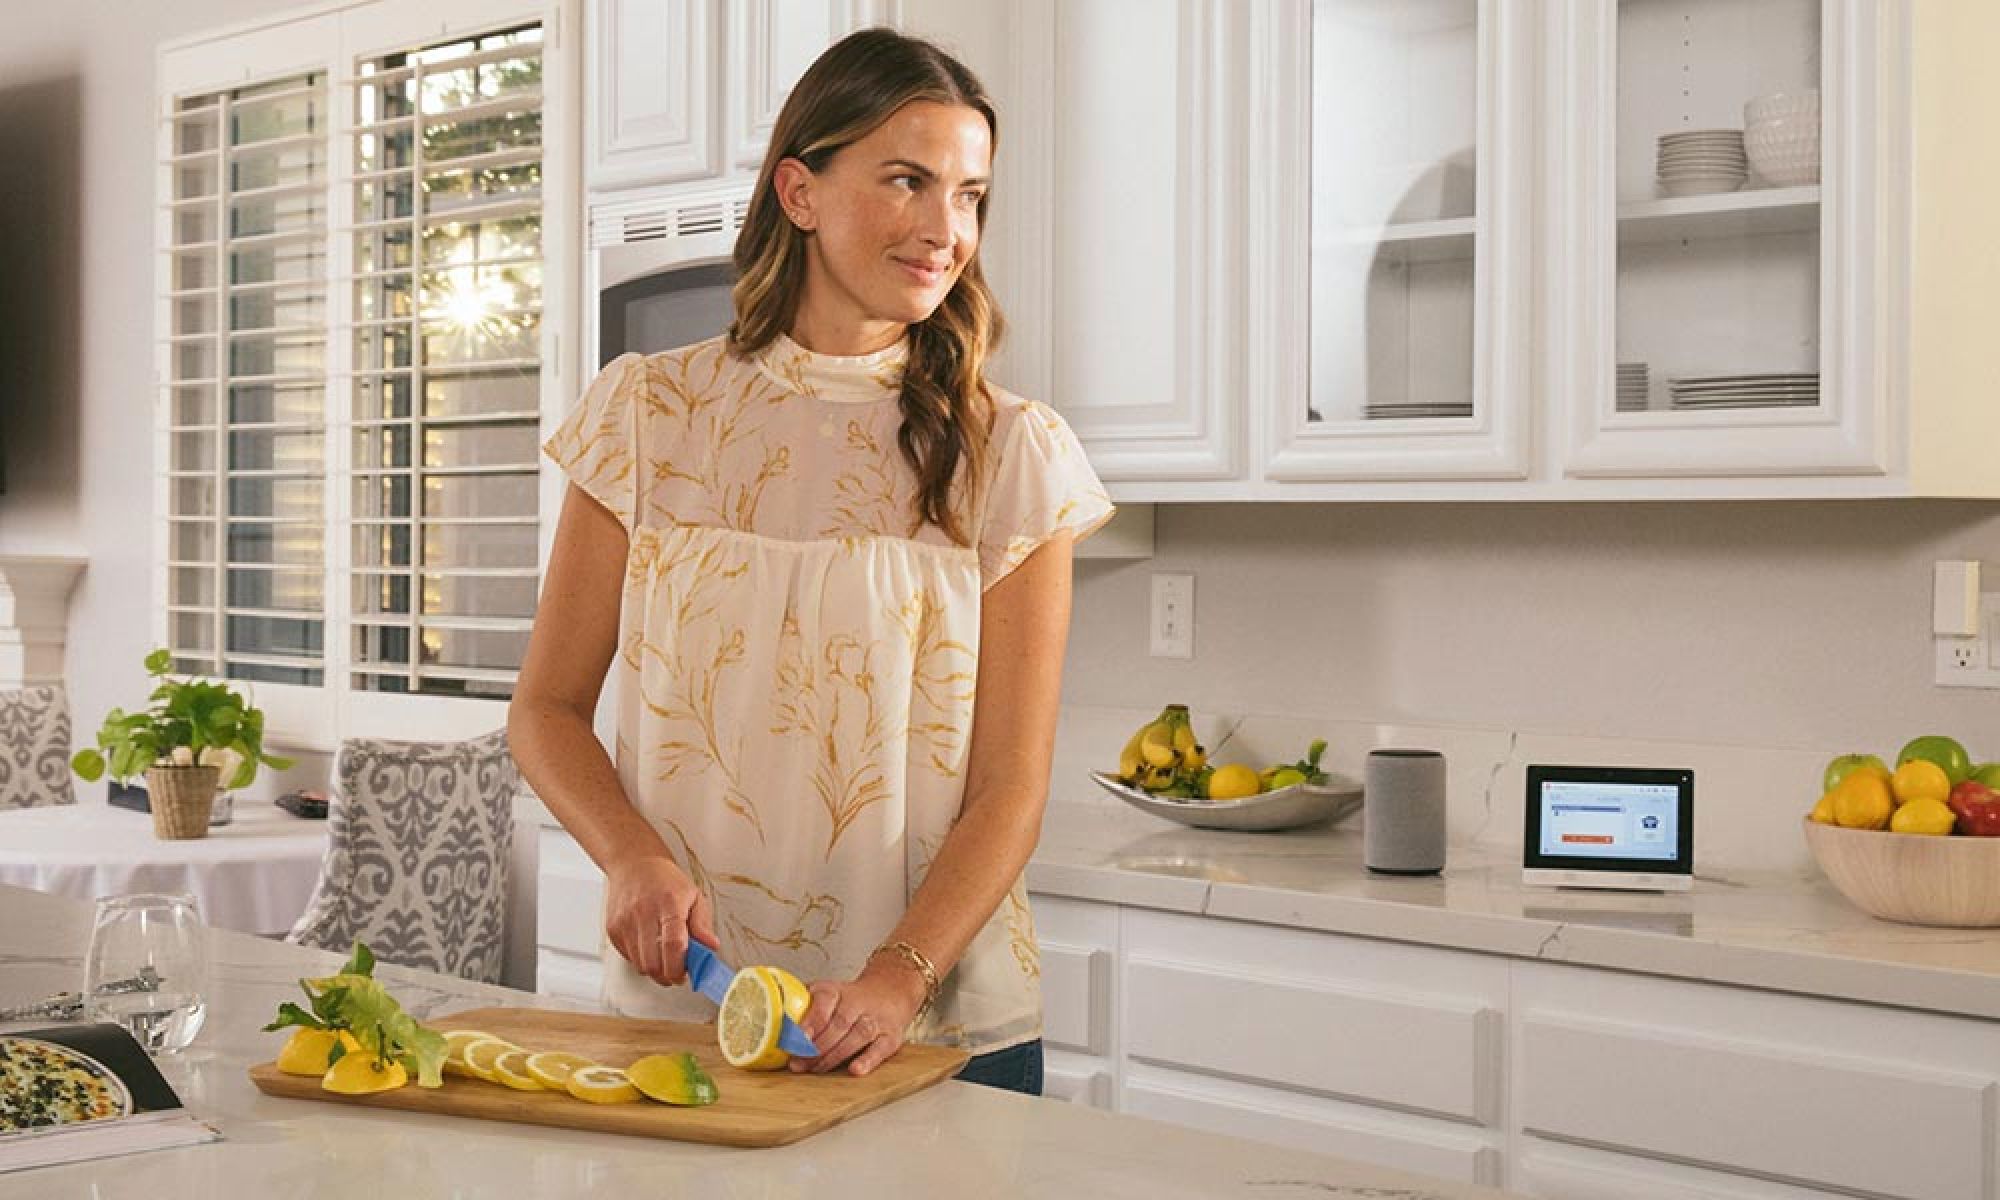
552 1068
747 1026
673 1079
602 1085
479 1056
511 1068
455 1042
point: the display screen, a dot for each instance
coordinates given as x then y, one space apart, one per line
1610 820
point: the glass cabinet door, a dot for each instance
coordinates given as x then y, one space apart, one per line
1410 149
1721 213
1718 203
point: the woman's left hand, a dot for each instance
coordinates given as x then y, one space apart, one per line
859 1024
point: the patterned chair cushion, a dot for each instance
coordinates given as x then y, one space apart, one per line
34 748
416 863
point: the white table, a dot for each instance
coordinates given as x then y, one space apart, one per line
253 875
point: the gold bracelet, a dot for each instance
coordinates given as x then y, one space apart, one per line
922 965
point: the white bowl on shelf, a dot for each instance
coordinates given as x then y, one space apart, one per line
1782 104
1785 152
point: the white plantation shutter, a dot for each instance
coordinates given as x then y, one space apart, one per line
247 393
355 271
447 313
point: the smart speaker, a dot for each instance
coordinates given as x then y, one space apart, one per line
1403 812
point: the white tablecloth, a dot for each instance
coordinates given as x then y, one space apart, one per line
254 874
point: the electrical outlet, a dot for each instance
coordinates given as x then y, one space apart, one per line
1973 662
1173 616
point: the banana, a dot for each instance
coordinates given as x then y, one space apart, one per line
1156 744
1195 759
1183 734
1129 761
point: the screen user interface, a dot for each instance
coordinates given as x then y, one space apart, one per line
1610 820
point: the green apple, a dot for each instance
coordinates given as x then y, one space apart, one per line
1988 774
1945 752
1847 764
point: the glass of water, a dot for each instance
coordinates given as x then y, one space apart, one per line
147 968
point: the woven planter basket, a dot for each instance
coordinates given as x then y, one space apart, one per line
183 798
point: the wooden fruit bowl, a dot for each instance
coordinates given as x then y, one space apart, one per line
1912 878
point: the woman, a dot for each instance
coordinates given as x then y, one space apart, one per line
815 548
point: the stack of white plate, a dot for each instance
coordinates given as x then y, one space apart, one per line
1701 161
1408 409
1632 387
1778 390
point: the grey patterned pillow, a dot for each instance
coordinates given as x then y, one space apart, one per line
34 748
416 863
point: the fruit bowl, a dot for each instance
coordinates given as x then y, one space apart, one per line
1284 808
1912 878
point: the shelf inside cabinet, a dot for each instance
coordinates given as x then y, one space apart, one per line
1412 241
1719 215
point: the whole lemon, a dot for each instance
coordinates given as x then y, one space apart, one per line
1823 811
1922 816
1232 781
1919 779
1862 801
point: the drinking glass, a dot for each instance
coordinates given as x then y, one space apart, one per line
147 968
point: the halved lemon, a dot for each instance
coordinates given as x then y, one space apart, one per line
552 1068
359 1074
747 1026
602 1085
511 1068
479 1056
455 1042
797 999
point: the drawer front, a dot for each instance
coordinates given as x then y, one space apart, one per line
569 897
1077 1081
1403 1052
1814 1119
569 976
1304 1123
1076 998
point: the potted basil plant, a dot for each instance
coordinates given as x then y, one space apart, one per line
196 737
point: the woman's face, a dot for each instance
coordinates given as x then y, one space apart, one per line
894 217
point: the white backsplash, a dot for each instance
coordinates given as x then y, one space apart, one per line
1748 799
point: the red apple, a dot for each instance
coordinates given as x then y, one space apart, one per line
1977 808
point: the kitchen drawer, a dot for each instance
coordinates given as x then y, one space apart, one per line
1311 1123
1813 1093
569 897
1557 1171
1079 946
1077 1080
570 976
1417 1030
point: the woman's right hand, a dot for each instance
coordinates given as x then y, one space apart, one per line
651 908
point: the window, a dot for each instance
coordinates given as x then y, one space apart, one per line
354 373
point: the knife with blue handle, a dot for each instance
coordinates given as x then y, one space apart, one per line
710 976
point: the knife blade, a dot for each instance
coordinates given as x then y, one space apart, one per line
710 976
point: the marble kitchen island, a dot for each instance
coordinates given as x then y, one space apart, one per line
953 1139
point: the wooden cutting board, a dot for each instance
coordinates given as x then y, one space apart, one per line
756 1108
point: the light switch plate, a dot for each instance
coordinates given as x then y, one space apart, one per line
1173 616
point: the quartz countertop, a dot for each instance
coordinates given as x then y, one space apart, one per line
1782 930
952 1139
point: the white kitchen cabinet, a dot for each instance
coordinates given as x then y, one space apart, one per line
1763 1094
1382 250
686 90
1119 167
1079 944
569 916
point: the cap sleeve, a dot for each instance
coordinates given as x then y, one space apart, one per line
597 443
1041 485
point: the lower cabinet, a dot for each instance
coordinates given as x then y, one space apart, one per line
569 920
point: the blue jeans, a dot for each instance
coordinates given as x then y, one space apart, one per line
1015 1069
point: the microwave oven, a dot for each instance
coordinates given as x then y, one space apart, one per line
661 267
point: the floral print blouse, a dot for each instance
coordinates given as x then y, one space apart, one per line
796 667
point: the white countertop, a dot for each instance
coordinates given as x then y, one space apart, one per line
953 1139
1788 931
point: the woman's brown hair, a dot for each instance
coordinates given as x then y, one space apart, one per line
846 93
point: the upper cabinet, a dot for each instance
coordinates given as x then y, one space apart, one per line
687 90
1480 249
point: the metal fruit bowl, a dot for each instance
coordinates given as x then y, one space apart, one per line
1286 808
